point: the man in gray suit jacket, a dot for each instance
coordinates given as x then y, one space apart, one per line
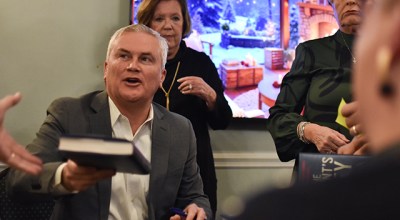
133 71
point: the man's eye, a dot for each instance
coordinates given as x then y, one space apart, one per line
146 59
124 56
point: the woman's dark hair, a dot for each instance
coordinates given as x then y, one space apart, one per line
147 8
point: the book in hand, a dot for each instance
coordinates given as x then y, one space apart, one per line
316 167
104 152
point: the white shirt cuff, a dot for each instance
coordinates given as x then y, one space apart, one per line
59 189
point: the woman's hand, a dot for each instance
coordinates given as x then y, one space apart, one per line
357 146
350 111
325 139
193 85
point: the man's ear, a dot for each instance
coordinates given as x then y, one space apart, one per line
105 70
163 74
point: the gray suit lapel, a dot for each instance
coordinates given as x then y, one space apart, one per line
100 124
160 150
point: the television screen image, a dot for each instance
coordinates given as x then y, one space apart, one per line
252 43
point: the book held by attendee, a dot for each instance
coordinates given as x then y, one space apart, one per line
316 167
103 152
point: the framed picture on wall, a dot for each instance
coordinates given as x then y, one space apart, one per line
244 40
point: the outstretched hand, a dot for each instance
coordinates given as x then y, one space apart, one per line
11 152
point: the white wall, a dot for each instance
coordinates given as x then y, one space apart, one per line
54 48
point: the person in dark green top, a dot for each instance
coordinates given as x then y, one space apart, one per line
371 192
303 117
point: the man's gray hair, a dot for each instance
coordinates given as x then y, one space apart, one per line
140 28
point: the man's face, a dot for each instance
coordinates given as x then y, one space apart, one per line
133 71
347 12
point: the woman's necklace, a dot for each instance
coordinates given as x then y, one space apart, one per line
170 87
348 48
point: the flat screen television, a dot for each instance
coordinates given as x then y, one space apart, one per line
252 43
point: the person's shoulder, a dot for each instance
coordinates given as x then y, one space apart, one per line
86 96
318 42
196 54
72 101
276 201
374 187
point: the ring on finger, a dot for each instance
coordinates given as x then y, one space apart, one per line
190 86
12 155
353 128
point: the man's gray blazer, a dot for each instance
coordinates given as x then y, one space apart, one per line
174 178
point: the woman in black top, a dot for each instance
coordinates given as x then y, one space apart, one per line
192 86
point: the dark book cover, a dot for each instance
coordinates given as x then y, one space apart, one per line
315 167
107 153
